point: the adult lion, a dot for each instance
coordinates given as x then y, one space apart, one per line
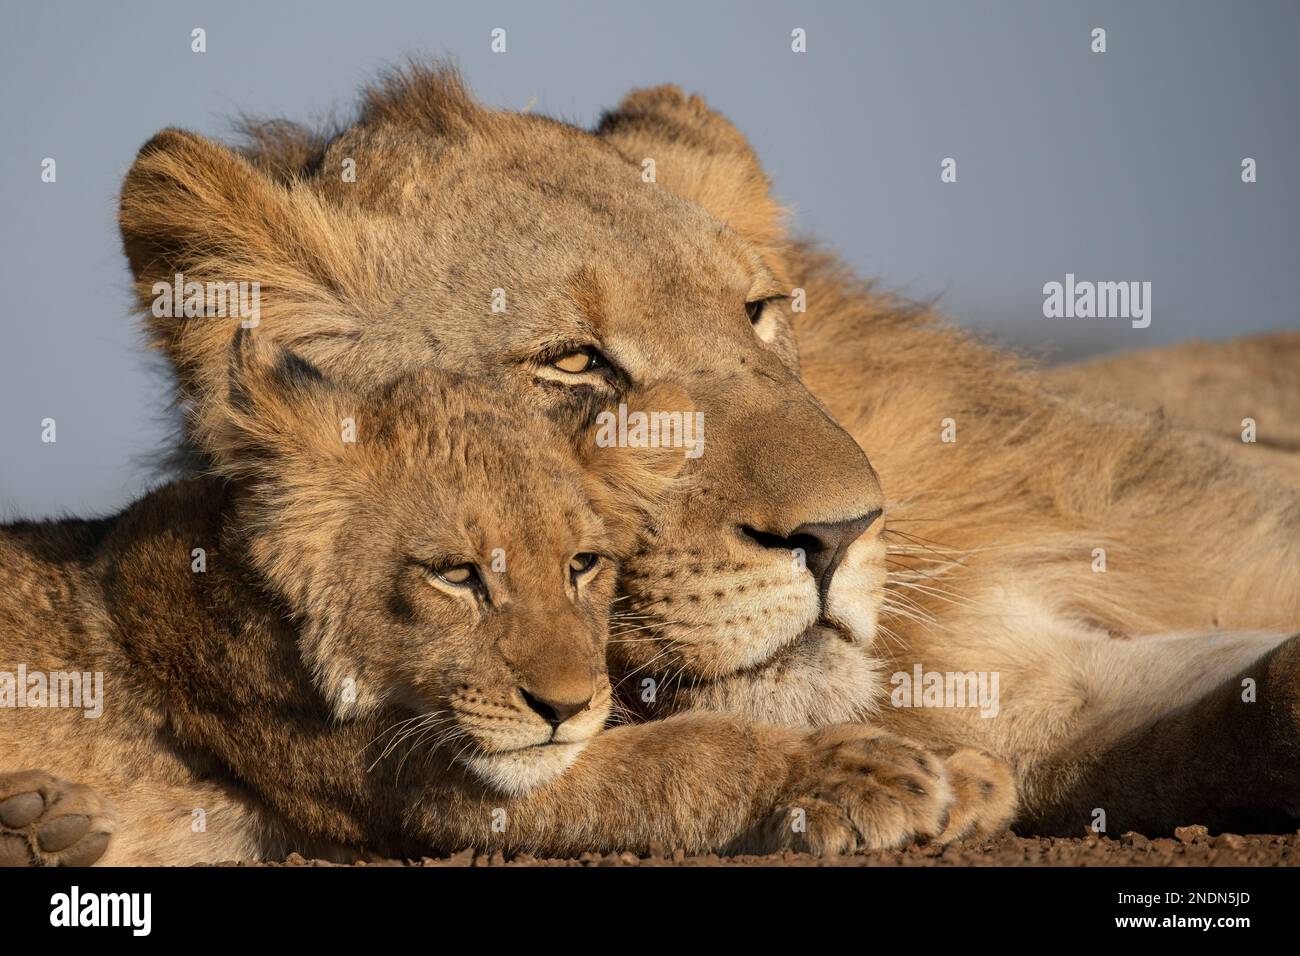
1118 582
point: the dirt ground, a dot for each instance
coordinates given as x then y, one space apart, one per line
1192 846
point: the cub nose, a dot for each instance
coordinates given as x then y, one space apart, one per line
553 710
822 542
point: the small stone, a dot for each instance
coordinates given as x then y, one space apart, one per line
1230 841
1135 840
1192 834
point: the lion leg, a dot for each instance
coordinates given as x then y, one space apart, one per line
45 821
1229 760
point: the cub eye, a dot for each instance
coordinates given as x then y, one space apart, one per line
582 563
755 310
459 576
579 361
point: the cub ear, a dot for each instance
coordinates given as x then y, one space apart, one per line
700 156
210 238
279 406
626 477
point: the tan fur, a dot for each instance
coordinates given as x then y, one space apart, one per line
317 686
1209 389
987 565
992 542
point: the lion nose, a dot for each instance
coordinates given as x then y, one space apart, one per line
552 710
823 544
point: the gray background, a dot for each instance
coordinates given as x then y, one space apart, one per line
1117 166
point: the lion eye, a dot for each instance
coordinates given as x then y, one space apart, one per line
763 320
577 362
460 575
582 563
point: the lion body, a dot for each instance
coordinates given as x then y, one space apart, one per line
1225 394
995 566
65 582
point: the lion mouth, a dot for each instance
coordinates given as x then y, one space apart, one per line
840 630
820 630
821 676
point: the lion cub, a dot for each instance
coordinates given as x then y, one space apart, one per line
381 627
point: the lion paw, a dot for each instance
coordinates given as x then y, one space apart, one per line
984 795
858 789
45 821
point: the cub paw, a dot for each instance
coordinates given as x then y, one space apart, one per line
984 795
45 821
857 788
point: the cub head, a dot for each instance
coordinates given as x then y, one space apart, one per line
568 267
448 559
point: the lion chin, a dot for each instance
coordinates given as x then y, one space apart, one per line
516 772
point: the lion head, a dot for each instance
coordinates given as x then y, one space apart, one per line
568 268
447 557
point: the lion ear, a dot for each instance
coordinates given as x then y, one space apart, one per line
627 481
699 155
210 238
279 406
